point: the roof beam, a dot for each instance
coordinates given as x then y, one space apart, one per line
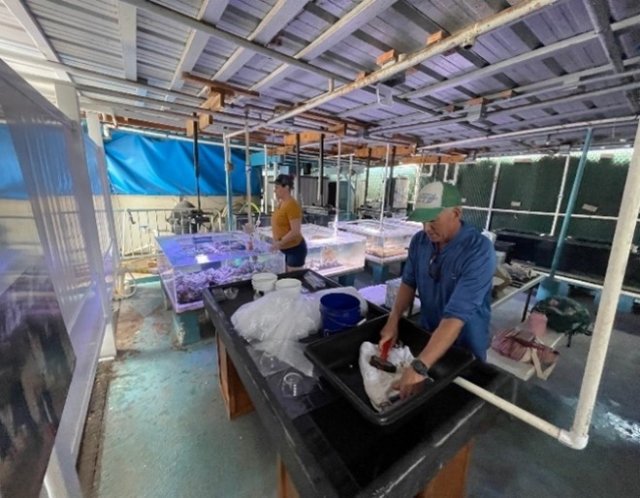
127 19
519 59
280 15
211 11
505 17
600 16
24 16
357 17
513 110
598 123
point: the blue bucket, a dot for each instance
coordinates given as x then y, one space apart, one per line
339 311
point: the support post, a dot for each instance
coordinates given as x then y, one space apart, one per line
228 166
320 197
338 166
613 280
556 215
247 169
571 203
366 178
349 198
384 182
296 188
196 157
492 199
265 176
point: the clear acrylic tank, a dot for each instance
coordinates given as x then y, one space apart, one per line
386 241
188 264
330 252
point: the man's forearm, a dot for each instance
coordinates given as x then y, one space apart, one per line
404 299
441 340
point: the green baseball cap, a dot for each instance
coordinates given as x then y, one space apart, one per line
434 198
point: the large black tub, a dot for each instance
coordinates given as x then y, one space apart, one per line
337 359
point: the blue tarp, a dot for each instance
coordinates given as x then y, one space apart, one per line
11 181
137 164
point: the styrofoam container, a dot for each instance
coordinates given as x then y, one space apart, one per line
290 285
264 282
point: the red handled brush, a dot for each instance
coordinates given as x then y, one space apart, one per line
381 362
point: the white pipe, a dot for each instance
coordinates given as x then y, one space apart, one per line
561 194
247 166
338 164
494 187
265 174
349 192
461 38
545 130
543 213
586 284
510 408
613 280
384 182
456 171
416 187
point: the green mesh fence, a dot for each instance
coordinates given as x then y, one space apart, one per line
475 182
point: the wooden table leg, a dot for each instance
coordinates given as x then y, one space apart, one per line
286 489
451 481
236 399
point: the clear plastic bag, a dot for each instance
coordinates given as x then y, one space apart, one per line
276 322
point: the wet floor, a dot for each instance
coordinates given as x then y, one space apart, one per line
166 432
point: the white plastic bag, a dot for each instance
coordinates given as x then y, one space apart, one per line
378 383
276 322
277 316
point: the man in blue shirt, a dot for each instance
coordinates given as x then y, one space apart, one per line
451 265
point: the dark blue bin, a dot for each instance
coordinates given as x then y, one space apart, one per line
339 311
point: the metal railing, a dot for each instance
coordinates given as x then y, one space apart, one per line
138 228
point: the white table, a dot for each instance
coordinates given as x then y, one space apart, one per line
523 371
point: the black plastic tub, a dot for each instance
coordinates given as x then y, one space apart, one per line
337 359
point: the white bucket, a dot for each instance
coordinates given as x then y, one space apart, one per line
292 286
264 282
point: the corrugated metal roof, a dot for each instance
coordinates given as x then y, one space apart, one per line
86 34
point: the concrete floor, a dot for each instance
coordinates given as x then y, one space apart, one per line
166 434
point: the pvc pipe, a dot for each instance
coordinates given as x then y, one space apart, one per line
613 280
573 196
588 285
337 206
366 178
349 200
543 213
227 167
492 200
265 201
545 130
456 172
296 190
561 194
384 182
416 187
196 158
456 40
510 408
320 192
247 169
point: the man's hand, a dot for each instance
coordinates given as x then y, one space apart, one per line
389 333
275 246
410 383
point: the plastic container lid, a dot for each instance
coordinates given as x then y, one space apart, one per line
263 282
291 285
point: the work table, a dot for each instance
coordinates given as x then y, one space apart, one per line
329 449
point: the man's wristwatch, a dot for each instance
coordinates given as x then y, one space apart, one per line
421 369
